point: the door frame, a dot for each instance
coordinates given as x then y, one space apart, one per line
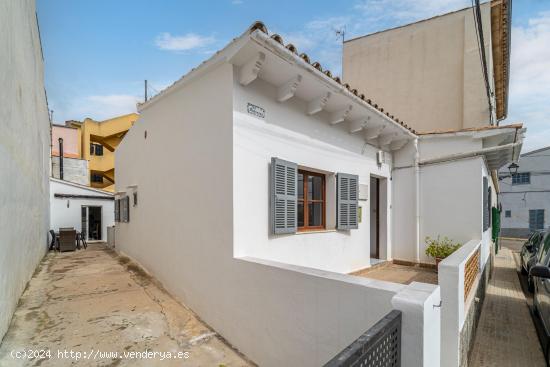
86 230
377 218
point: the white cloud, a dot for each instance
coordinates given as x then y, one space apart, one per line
189 41
530 80
97 107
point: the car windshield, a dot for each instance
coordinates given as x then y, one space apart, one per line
543 251
537 239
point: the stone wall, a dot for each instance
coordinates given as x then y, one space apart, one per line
74 170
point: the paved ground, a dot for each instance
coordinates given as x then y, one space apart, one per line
399 273
506 335
94 302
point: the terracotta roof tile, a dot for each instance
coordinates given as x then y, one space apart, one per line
261 26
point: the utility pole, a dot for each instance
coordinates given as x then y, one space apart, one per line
145 90
341 33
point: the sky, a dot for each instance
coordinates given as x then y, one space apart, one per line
98 53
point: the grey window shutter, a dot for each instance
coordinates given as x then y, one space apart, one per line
284 196
127 208
485 204
117 210
347 190
124 209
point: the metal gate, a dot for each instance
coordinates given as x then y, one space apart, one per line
380 346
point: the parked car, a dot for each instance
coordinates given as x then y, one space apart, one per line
540 273
530 254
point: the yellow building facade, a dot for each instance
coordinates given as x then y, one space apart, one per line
98 141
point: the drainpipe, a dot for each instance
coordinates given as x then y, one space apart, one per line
60 158
417 194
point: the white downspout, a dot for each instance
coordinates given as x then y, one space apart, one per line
417 201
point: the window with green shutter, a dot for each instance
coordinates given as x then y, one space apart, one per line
284 196
486 205
347 204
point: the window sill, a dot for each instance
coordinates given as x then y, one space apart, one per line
316 231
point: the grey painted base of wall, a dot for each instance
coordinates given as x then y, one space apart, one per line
468 333
515 232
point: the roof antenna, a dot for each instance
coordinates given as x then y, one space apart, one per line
341 33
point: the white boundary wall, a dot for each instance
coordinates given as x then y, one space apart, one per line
24 152
454 307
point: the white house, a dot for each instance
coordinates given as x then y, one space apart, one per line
525 196
84 208
263 182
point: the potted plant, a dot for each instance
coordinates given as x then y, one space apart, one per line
440 248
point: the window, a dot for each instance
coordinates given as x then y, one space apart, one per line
298 199
508 213
486 204
536 219
522 178
96 178
135 198
96 149
311 200
125 209
117 210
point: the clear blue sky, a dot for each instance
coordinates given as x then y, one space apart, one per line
97 53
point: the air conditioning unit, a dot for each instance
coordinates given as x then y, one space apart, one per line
380 157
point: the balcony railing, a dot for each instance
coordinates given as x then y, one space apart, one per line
380 346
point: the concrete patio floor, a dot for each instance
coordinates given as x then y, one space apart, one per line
96 303
396 273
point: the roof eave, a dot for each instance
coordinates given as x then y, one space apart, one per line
501 21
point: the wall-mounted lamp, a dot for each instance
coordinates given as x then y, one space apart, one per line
513 168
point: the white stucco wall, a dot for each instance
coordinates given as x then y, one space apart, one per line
450 195
404 226
24 152
288 133
451 201
66 212
276 314
74 170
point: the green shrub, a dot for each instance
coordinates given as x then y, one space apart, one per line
440 248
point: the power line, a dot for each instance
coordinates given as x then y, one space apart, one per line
481 48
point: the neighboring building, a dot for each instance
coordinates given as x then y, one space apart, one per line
98 141
525 197
71 168
287 181
430 73
86 209
24 153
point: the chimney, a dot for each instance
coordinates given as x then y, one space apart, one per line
60 158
